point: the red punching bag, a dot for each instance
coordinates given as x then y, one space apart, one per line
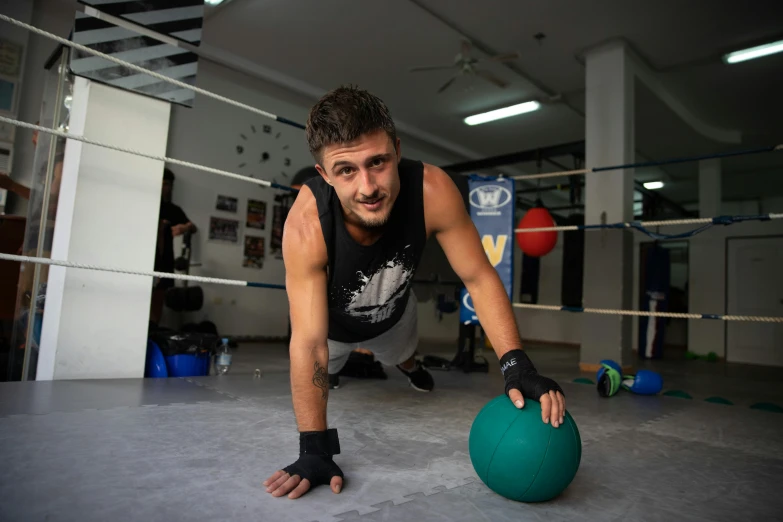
537 244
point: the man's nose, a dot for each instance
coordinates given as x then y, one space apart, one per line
367 183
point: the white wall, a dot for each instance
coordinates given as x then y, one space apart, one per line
208 134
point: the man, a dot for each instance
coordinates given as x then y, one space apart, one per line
351 245
172 223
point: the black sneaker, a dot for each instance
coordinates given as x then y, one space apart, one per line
334 381
419 377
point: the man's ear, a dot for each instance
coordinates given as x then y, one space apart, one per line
398 148
322 172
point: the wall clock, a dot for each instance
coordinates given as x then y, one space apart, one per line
261 152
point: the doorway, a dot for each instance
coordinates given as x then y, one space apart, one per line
675 331
754 286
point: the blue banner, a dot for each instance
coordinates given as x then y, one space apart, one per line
492 205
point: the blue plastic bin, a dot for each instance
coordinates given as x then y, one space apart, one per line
188 365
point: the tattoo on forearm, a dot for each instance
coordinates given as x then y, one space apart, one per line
321 379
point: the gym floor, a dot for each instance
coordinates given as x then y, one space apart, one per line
198 449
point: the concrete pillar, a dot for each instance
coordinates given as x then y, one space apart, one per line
710 187
707 267
609 135
95 323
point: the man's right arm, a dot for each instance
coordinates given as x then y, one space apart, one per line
304 253
305 257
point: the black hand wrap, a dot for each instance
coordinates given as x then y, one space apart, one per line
315 457
519 373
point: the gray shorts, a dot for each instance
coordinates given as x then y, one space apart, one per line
392 347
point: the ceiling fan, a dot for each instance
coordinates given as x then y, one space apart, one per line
466 65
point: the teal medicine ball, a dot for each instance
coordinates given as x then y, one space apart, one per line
518 456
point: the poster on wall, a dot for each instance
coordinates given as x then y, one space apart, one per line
256 214
227 204
224 229
279 213
492 210
254 252
10 58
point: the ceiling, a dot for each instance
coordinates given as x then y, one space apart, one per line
373 44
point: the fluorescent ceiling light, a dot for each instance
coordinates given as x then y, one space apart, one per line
754 52
505 112
213 2
653 185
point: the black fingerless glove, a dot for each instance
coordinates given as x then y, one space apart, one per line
315 457
519 373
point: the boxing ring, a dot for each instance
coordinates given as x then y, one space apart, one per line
198 448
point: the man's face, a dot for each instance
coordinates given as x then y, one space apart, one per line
364 176
168 185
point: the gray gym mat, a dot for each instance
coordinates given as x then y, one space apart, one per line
184 450
39 398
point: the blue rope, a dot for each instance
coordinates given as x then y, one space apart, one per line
685 159
289 122
717 220
656 235
265 285
283 187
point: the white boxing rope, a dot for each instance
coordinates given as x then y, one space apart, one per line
637 313
166 159
161 275
234 282
717 220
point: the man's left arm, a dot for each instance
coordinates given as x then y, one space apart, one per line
449 221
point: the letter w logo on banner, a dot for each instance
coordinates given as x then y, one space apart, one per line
494 249
489 198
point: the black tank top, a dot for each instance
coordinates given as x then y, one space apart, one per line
368 286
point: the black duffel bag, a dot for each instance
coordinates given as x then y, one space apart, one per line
184 343
185 298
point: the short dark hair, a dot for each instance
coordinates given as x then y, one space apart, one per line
168 175
344 114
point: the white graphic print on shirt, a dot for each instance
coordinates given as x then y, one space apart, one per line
380 293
